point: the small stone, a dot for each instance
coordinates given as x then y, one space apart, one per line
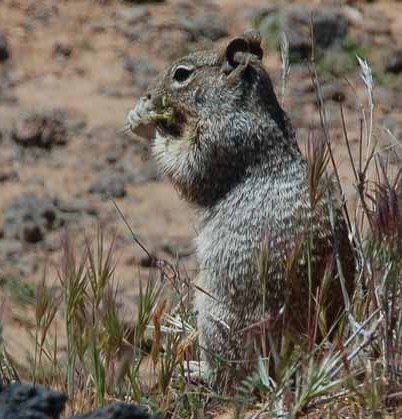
62 49
43 130
329 28
31 232
117 411
19 401
4 51
333 92
112 156
29 217
26 401
394 62
6 175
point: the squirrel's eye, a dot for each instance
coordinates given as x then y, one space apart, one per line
182 74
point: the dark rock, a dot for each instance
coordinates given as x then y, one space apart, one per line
109 185
333 92
113 155
43 130
394 62
4 51
24 401
329 28
39 14
6 175
30 217
62 49
117 411
31 232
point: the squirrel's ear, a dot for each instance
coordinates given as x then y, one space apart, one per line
253 39
235 46
241 50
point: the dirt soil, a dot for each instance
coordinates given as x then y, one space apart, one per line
81 65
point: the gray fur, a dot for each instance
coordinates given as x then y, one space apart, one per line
232 152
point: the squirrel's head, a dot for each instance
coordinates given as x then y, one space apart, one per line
216 115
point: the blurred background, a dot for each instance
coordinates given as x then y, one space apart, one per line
71 70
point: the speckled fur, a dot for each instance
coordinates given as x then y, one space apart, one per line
235 156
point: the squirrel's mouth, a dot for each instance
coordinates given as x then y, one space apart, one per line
173 127
166 119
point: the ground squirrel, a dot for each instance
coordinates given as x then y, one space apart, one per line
228 147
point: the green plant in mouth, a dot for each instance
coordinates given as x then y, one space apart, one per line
166 113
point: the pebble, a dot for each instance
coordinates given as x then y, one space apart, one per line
4 50
394 62
43 130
